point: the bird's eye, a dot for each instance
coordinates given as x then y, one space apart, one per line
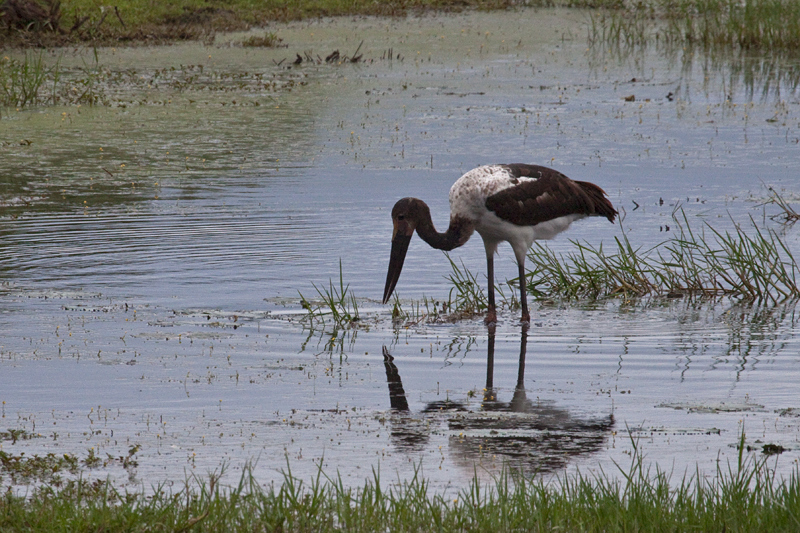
401 217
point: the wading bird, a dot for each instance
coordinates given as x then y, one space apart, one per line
515 203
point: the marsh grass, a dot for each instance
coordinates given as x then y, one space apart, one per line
27 81
466 294
744 496
751 265
467 297
787 214
747 24
268 40
336 303
30 81
620 27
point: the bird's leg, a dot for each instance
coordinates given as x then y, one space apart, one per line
491 315
523 293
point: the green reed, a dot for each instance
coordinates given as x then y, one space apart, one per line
466 297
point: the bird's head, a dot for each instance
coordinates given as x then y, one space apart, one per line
406 215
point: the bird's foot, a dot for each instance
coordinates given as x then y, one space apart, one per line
491 319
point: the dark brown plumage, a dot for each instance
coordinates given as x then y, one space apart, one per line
550 196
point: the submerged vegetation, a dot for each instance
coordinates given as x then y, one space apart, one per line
53 469
31 80
741 497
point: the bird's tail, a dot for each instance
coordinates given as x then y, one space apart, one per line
602 205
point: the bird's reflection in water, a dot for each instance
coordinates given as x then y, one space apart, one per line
531 436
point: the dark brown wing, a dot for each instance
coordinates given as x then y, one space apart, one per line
552 195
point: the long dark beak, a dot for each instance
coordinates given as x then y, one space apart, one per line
398 256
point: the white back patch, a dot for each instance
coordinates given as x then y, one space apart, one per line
469 193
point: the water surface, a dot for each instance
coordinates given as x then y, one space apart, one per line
153 249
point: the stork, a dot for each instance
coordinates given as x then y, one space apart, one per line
516 203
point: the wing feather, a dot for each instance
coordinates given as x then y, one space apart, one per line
551 195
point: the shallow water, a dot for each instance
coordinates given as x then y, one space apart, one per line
153 250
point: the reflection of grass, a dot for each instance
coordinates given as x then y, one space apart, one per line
744 496
336 341
752 42
755 265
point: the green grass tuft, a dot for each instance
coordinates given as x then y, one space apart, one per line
467 296
337 303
